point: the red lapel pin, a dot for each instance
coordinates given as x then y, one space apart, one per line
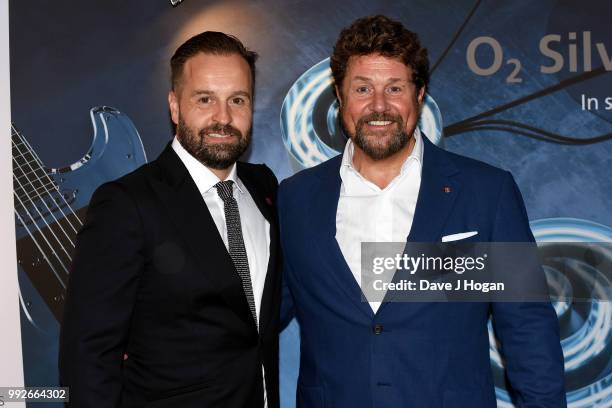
268 201
446 189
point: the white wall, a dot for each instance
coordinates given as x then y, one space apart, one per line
11 363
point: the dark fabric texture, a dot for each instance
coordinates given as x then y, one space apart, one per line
156 313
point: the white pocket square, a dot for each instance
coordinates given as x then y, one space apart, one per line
457 237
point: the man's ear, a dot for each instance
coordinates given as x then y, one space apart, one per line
174 106
421 95
338 95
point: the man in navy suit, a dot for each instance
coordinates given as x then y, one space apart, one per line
392 184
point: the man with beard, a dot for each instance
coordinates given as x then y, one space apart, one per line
174 292
392 184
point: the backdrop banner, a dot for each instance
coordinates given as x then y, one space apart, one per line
522 85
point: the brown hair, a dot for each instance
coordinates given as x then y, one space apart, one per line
209 42
380 35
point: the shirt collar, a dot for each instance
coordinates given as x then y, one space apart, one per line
416 155
204 178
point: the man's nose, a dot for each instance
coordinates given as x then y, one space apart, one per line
222 114
379 102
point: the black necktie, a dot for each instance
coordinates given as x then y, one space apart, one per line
235 240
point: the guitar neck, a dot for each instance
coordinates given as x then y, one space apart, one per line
27 167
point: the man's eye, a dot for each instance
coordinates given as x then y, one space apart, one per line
205 99
238 101
395 89
362 89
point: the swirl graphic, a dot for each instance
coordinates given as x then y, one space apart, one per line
586 332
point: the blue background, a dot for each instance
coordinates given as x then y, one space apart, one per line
68 56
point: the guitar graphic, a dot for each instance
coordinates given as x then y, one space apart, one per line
50 206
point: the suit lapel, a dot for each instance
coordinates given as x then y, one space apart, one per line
323 220
195 225
257 191
437 195
266 207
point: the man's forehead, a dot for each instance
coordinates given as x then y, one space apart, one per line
362 67
202 63
217 70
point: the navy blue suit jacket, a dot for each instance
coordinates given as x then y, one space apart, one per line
433 355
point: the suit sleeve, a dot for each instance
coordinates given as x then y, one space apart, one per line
272 182
287 301
528 331
286 310
100 299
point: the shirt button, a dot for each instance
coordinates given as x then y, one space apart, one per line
378 329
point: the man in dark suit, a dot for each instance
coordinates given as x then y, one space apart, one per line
392 184
174 292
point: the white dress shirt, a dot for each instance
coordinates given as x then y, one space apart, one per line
255 228
367 213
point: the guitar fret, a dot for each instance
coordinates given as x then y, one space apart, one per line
25 174
27 194
19 154
18 167
18 143
45 189
27 168
37 180
32 185
23 158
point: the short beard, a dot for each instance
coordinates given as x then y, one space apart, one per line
373 148
218 156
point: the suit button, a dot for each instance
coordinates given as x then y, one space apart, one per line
378 329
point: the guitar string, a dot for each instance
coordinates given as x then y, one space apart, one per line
35 171
51 184
37 188
41 250
40 163
56 188
42 234
30 150
40 196
43 185
43 237
49 188
43 218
